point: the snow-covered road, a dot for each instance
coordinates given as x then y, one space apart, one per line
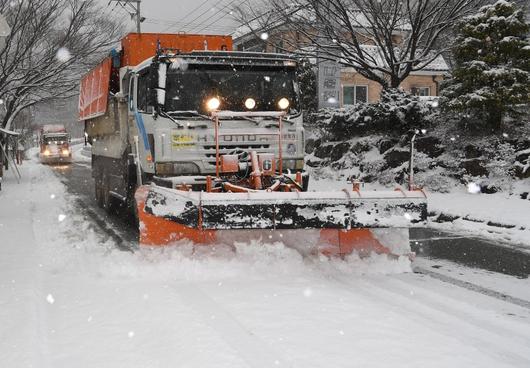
70 298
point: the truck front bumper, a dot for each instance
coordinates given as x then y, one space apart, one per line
55 159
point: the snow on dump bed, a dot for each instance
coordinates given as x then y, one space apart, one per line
69 298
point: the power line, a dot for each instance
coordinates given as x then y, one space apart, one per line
196 18
189 14
136 10
159 22
220 13
218 18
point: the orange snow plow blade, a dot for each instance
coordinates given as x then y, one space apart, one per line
334 223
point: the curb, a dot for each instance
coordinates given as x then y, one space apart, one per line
442 217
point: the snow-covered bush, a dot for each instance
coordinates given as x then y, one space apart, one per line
492 67
501 166
436 181
396 112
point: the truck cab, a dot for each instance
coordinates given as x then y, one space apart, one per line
54 145
151 120
172 97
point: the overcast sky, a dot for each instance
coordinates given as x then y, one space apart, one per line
191 16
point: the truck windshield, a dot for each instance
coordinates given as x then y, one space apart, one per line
189 90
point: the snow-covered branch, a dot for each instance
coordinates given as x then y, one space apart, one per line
384 40
51 44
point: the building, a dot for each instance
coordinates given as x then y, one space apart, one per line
345 86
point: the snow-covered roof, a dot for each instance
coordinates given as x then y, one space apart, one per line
437 65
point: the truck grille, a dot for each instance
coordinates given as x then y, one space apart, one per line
209 150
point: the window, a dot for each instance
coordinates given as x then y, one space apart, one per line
143 94
421 91
352 95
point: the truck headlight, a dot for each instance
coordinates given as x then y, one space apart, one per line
213 104
65 152
250 103
283 104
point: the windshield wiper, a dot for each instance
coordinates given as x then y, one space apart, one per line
188 113
195 113
165 115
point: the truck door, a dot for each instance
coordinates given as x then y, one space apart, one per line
144 152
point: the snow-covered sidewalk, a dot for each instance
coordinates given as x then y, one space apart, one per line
498 216
501 217
69 300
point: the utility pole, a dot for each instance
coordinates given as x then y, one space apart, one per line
130 4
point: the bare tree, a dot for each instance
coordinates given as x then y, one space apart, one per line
52 42
384 40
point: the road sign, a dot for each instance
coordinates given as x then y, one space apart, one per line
328 83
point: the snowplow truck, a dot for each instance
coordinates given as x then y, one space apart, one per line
54 144
206 145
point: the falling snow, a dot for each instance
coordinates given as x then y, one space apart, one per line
473 188
63 55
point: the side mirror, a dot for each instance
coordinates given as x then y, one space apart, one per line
158 75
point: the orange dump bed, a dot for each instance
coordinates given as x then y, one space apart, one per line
94 91
136 48
139 46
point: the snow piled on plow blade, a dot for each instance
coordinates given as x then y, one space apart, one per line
278 210
329 223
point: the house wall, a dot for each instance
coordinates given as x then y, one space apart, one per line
349 78
355 79
430 81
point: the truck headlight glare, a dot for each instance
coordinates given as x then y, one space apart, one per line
250 103
213 103
283 103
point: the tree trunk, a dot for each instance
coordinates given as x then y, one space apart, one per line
494 118
395 82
